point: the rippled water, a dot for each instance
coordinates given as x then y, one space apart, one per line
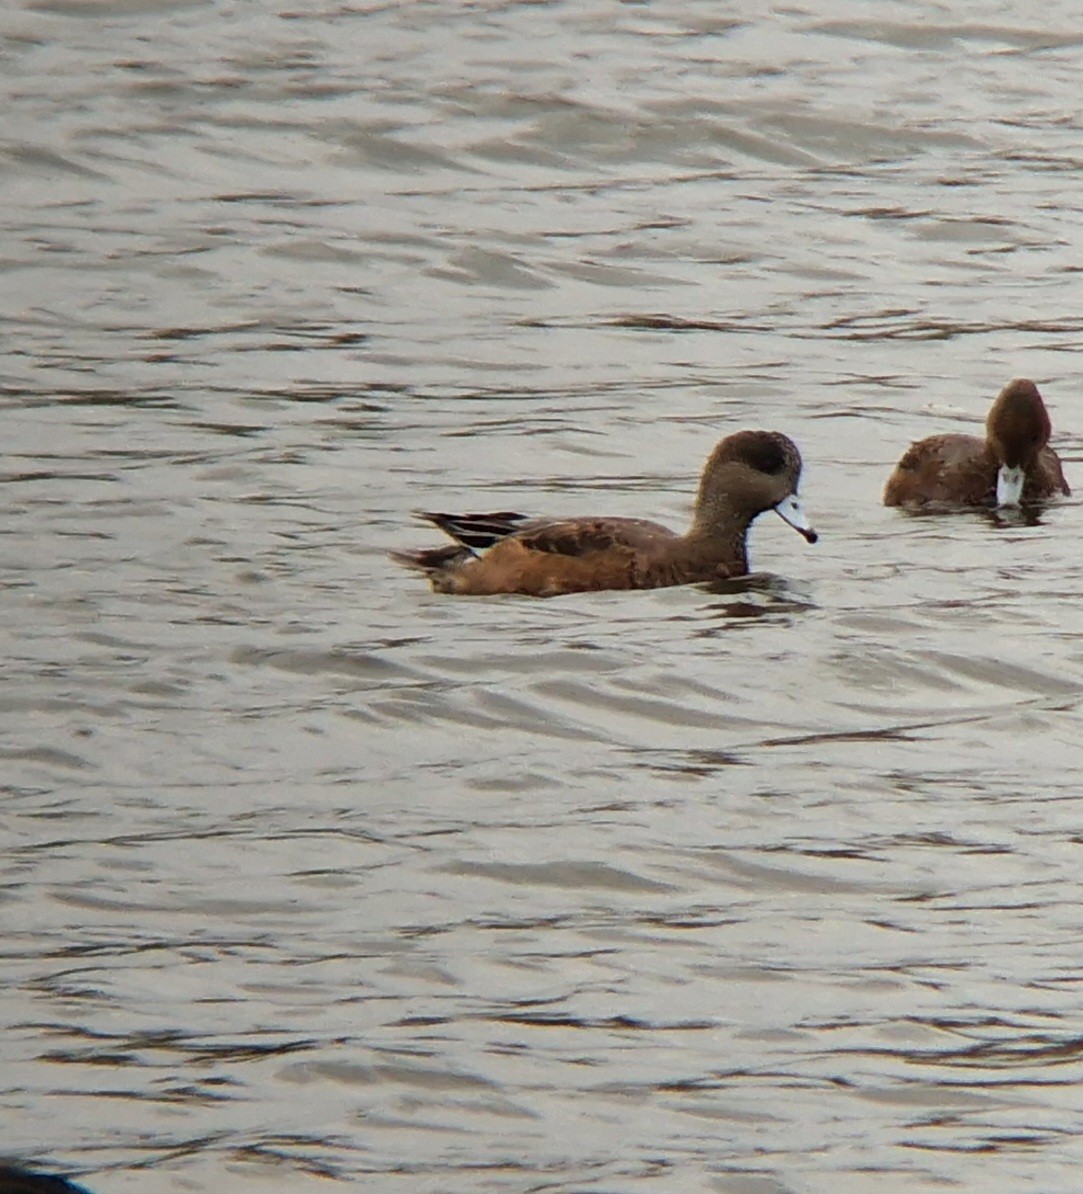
309 873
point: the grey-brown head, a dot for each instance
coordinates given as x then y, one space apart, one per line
750 472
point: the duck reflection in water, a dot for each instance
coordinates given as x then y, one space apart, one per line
14 1179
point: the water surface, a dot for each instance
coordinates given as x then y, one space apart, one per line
311 875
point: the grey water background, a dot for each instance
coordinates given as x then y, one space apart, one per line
311 877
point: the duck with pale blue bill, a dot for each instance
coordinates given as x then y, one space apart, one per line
1012 466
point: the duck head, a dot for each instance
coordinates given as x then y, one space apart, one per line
751 472
1016 430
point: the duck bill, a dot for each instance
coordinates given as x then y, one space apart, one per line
1010 486
790 510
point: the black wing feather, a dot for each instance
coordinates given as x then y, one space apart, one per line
476 531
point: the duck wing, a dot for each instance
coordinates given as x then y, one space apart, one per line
556 536
1051 473
950 469
586 536
476 531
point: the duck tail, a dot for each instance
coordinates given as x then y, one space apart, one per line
432 561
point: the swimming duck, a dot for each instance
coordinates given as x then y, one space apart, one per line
747 473
1012 465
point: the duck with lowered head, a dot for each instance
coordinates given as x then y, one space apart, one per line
1012 465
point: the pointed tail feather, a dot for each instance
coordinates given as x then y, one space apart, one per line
476 531
432 560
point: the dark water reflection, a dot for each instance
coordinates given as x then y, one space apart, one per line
312 875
